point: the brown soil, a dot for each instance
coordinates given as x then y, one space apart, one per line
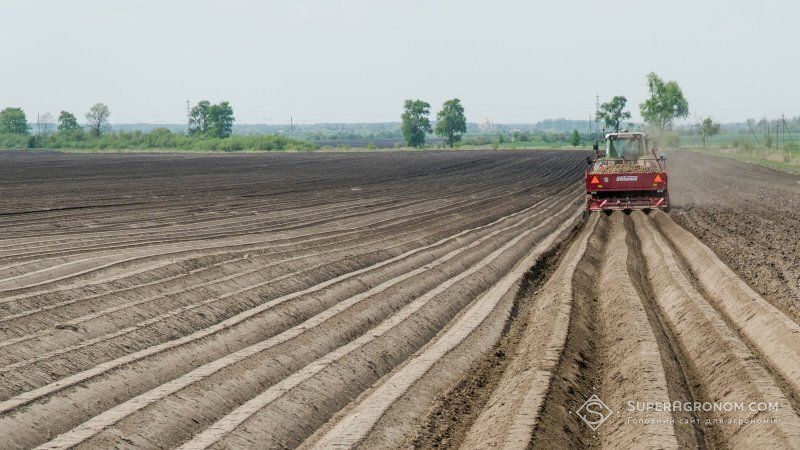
193 293
755 325
748 215
383 300
455 411
638 310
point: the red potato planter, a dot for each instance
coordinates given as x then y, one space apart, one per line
623 179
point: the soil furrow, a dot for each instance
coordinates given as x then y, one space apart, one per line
364 417
391 300
160 348
202 275
200 375
511 412
774 337
718 359
153 254
639 334
96 350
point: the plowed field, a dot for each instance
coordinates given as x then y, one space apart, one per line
369 300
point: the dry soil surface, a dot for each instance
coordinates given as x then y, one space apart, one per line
749 215
163 300
638 309
374 300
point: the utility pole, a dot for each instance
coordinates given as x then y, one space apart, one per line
755 136
787 130
188 113
783 130
291 127
596 108
590 126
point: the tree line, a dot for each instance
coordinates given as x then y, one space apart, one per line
451 123
664 104
210 129
205 120
14 121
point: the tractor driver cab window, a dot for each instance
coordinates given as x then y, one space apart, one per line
629 149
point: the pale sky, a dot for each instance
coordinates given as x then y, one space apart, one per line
357 60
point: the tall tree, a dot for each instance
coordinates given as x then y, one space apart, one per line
707 129
451 123
13 120
415 122
220 120
67 122
97 118
613 112
212 120
575 140
665 104
198 118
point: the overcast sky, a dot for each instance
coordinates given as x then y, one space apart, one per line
357 60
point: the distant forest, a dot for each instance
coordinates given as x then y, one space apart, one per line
391 130
378 130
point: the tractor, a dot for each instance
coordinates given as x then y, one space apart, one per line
627 176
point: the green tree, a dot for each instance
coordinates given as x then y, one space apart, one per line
211 120
67 122
707 129
451 123
13 121
613 112
97 118
665 104
521 136
415 122
220 120
575 140
198 118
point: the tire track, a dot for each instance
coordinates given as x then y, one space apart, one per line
640 311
